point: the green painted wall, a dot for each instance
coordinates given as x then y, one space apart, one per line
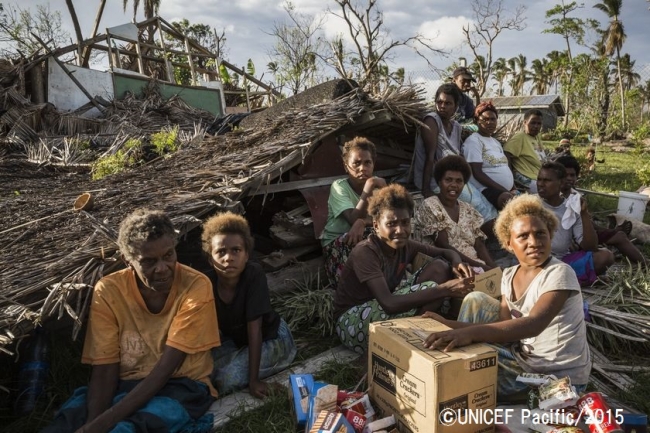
204 98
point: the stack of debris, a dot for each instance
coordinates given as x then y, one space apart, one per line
52 255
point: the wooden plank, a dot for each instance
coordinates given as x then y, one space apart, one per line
276 261
397 153
285 279
285 237
242 401
310 183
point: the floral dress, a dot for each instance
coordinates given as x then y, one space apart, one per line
431 218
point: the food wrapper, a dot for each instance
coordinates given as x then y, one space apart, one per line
357 420
344 398
557 394
362 406
331 422
380 424
534 379
322 397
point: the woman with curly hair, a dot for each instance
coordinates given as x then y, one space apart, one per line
491 173
447 222
255 341
440 137
150 366
347 217
373 285
538 325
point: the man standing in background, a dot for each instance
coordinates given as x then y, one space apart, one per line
463 79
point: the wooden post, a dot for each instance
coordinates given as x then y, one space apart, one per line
111 60
38 84
140 63
190 60
168 68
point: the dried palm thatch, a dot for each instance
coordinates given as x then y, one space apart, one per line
50 255
26 122
619 329
620 313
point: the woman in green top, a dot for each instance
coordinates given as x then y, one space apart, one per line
347 217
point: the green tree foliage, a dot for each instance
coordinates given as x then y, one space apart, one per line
541 75
630 78
500 72
17 26
613 39
295 62
570 29
644 92
520 75
205 36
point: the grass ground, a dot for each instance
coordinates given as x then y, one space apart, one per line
66 373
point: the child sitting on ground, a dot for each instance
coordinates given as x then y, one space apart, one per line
255 341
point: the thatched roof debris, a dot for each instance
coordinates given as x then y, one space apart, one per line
318 94
50 255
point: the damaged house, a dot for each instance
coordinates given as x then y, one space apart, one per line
276 167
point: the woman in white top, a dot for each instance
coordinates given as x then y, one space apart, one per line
491 173
442 137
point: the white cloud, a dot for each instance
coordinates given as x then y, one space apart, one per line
446 32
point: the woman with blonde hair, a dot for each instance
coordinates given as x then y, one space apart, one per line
538 325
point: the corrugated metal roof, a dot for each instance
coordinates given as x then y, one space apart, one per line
528 101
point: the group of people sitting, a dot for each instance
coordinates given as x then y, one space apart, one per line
164 339
473 190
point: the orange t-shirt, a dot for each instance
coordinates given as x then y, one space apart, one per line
122 329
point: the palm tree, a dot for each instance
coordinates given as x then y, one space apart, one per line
478 67
630 78
541 76
149 7
500 73
520 75
613 39
557 62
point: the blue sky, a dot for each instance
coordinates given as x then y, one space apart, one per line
248 22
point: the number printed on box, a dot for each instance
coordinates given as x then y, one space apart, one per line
483 363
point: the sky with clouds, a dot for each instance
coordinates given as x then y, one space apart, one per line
247 24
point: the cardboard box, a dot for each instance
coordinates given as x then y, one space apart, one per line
489 282
417 384
420 260
300 385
